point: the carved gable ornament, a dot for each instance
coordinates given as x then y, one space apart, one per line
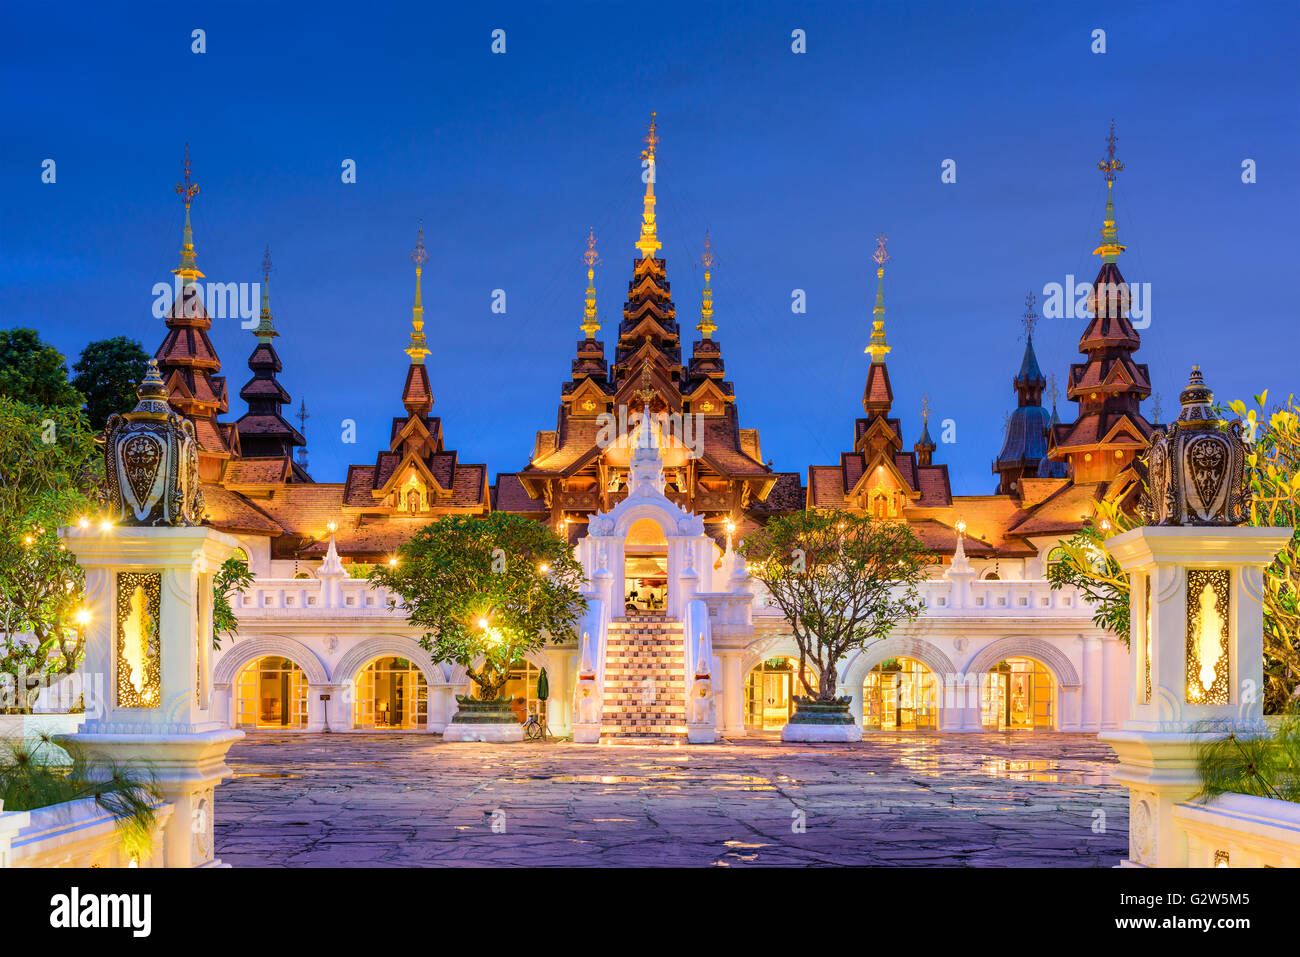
1195 472
151 459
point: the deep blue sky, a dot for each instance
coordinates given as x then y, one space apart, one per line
794 162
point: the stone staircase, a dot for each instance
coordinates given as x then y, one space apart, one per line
645 679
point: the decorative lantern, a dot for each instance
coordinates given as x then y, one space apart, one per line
1195 472
151 459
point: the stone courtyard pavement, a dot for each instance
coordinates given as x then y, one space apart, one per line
367 800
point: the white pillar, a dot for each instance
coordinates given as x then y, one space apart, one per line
149 592
732 722
1158 744
1094 680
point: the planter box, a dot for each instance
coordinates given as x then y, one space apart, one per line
479 720
1240 830
28 728
73 834
822 721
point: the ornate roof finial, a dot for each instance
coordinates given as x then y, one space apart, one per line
707 325
589 324
1110 247
649 242
187 191
1155 408
265 328
1054 391
1110 166
925 409
302 416
1029 318
646 392
418 350
878 347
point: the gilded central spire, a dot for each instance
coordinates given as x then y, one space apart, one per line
417 350
649 242
878 347
1110 248
187 191
707 325
265 330
589 324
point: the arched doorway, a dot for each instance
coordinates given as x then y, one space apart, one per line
1019 694
900 694
645 573
770 688
391 695
271 694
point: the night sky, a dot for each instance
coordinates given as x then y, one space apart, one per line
793 162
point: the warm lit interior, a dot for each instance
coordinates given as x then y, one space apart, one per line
770 689
271 693
900 694
645 571
1018 696
391 695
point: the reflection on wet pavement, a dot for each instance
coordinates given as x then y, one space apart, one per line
931 799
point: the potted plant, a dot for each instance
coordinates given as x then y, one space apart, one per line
844 581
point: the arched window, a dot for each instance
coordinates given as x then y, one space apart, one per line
1019 695
770 689
391 694
900 694
271 694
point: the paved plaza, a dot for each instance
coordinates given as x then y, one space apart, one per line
988 800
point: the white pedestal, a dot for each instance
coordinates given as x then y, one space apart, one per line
838 733
469 731
1158 745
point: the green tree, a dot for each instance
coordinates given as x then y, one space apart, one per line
487 590
107 374
232 578
843 580
48 473
33 371
1083 561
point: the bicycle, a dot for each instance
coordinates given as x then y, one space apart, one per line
534 729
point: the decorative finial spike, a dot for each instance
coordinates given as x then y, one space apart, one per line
265 328
706 325
417 349
648 244
925 409
1029 318
878 346
590 326
187 190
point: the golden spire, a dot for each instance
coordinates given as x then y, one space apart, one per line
649 242
187 190
589 324
878 348
265 330
417 350
707 325
925 410
1110 248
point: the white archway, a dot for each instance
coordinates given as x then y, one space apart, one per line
396 646
1038 649
242 652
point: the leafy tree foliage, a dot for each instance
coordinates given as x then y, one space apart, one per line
843 580
107 374
48 476
487 591
1083 562
232 578
33 371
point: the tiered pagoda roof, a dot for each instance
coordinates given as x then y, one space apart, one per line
266 438
1024 447
1109 386
187 361
575 470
